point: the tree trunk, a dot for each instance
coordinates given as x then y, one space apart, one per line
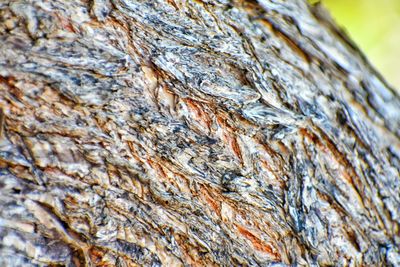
192 133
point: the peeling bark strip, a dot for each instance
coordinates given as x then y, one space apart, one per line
192 133
1 122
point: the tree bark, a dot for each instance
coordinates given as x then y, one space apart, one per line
192 133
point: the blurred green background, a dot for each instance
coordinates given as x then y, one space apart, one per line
375 27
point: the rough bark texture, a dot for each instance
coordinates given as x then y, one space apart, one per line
192 133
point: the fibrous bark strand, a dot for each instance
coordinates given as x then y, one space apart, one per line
192 133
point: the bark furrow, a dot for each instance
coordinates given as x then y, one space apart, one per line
192 133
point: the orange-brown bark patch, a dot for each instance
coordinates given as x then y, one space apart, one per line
199 114
258 244
65 23
235 147
211 199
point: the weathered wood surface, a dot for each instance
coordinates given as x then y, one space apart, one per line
192 133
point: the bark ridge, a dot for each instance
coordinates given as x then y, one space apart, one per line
192 133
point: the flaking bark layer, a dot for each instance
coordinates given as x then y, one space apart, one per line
192 133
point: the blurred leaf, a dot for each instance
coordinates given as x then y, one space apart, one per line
375 27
